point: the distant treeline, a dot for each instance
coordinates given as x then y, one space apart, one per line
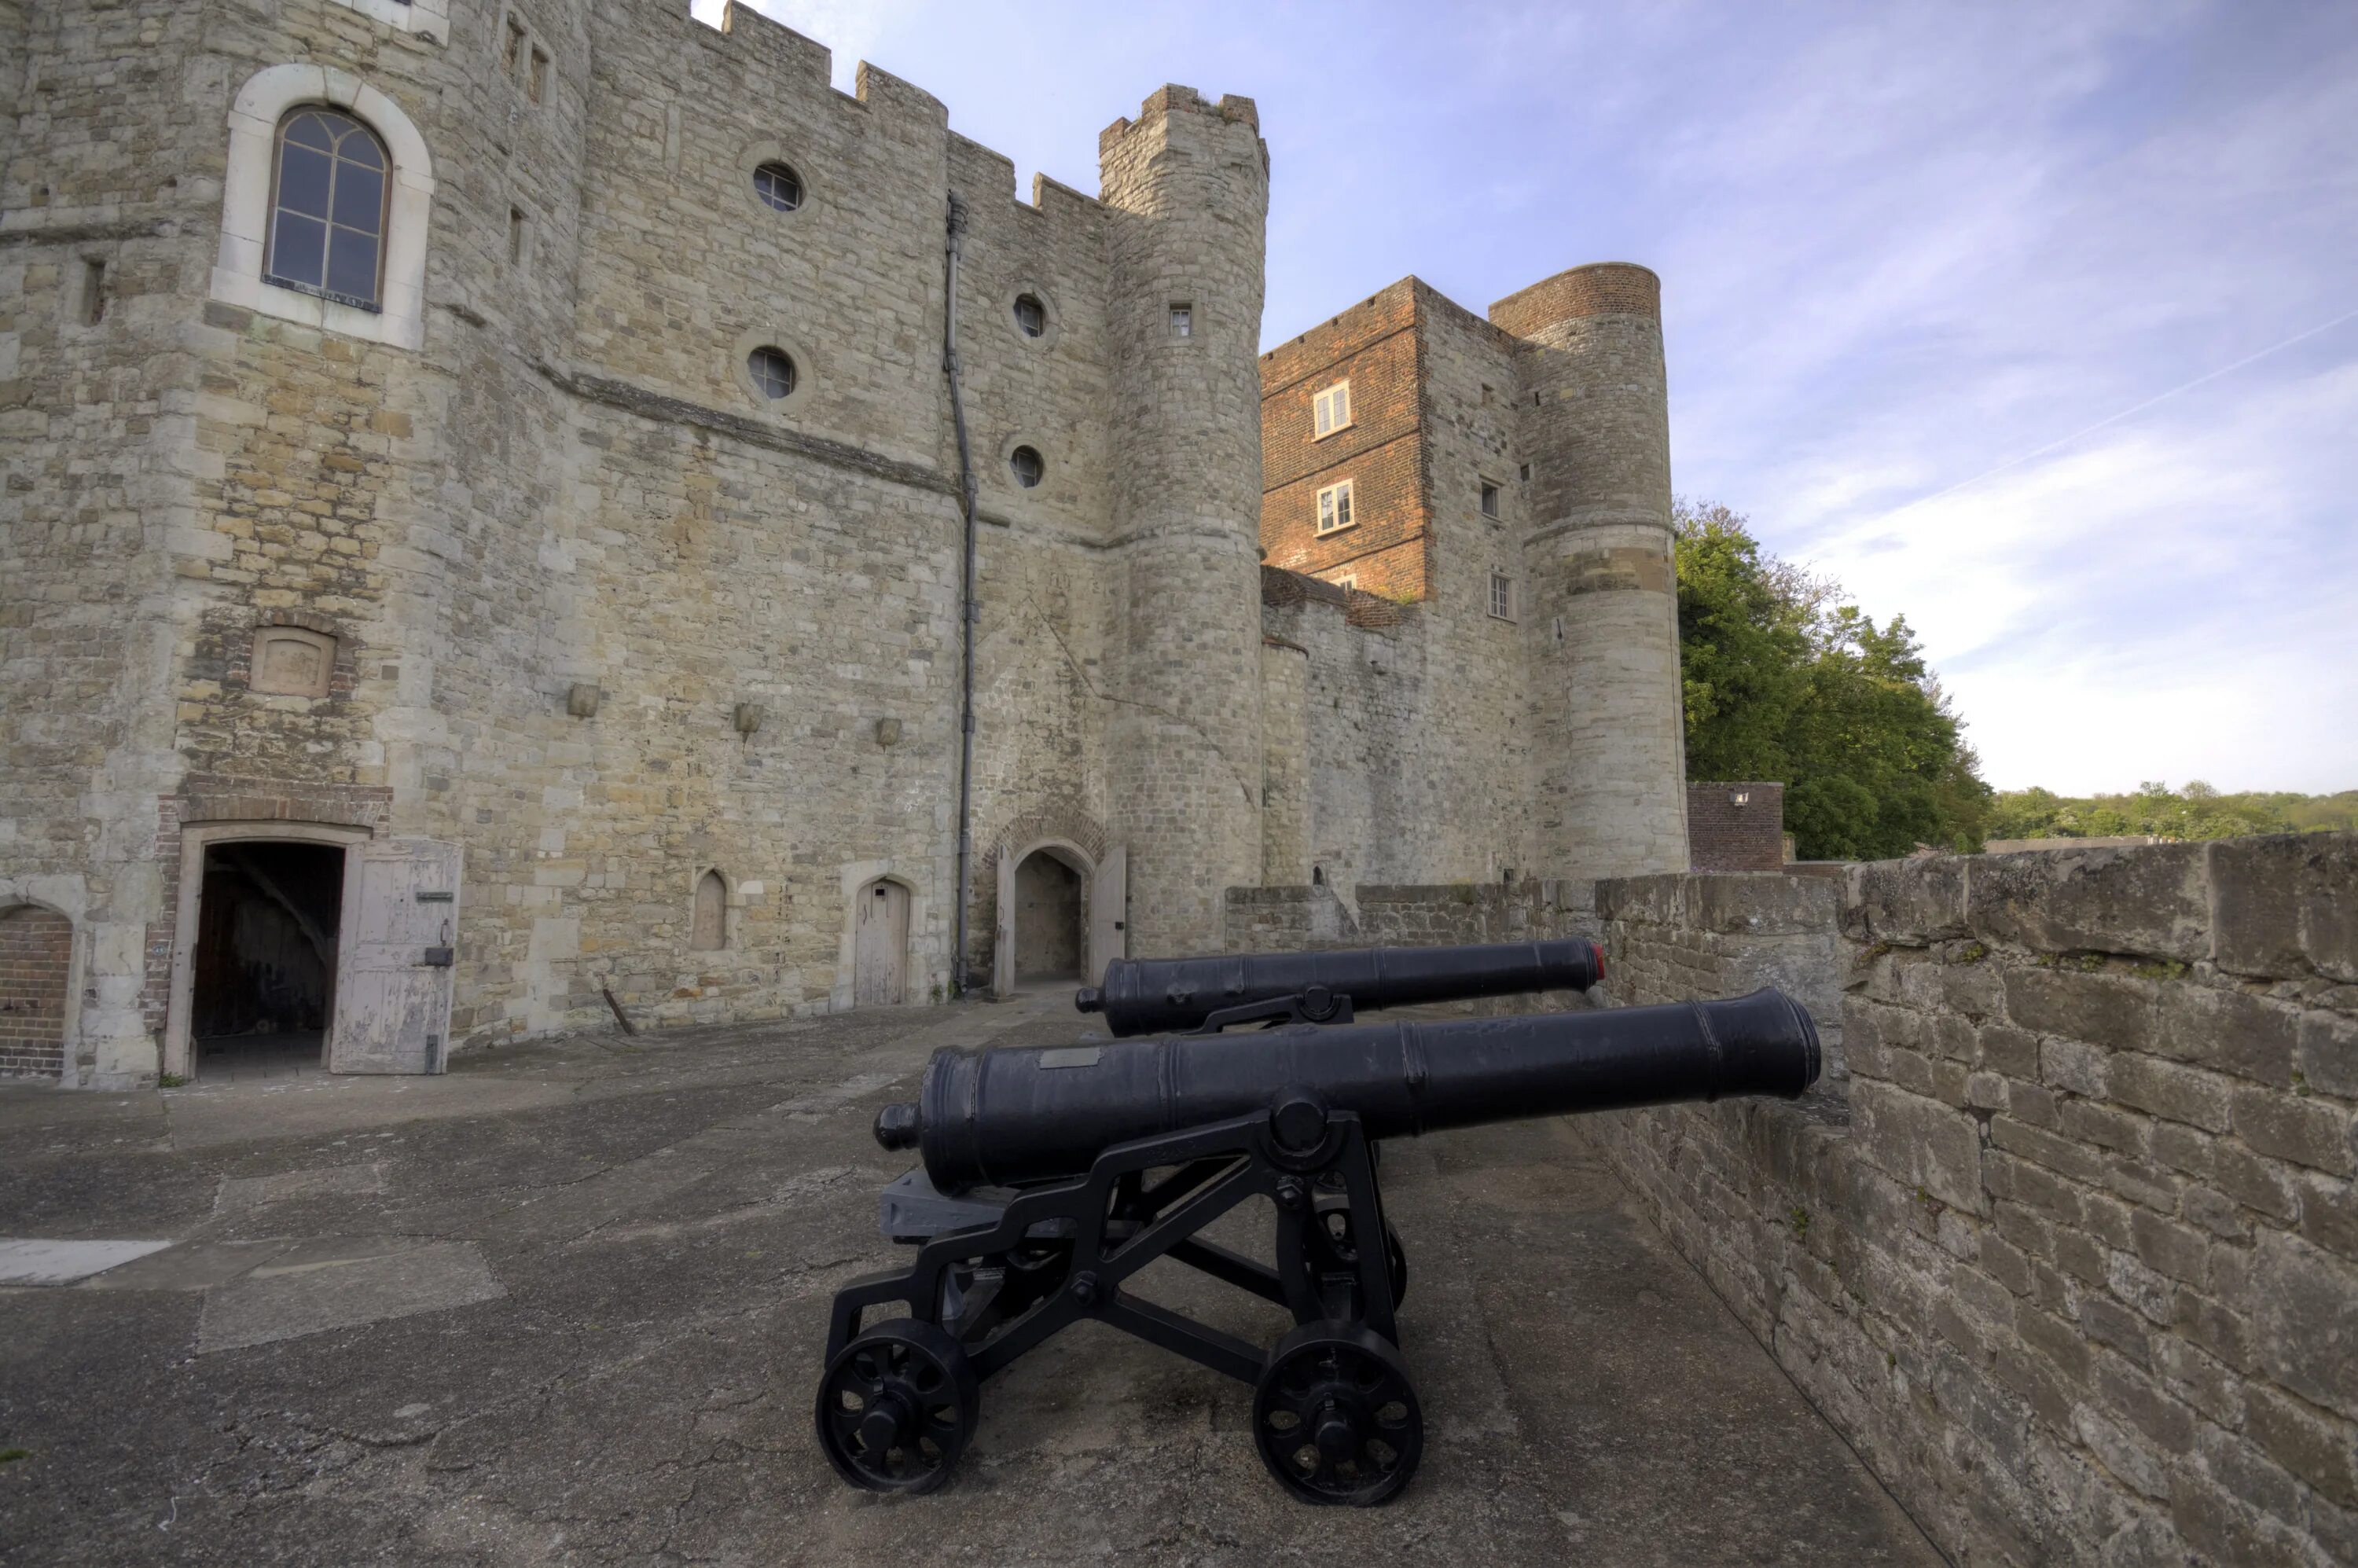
1785 681
2198 811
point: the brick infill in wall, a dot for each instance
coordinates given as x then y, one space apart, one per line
35 961
2072 1260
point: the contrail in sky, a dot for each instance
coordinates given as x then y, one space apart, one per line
2139 408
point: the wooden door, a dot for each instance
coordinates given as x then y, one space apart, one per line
395 958
880 946
1002 936
1109 913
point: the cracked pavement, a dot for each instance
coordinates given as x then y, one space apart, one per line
566 1304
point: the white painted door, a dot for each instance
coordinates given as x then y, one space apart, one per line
1109 913
880 946
394 958
1002 940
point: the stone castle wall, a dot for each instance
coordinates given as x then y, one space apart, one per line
572 483
2071 1256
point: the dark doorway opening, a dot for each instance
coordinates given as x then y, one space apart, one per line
1049 934
263 971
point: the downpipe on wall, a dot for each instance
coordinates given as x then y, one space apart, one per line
966 605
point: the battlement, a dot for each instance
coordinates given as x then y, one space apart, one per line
1173 99
1599 288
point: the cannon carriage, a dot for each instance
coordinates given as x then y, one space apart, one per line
1052 1176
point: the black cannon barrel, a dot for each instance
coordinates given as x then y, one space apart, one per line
1155 995
1032 1113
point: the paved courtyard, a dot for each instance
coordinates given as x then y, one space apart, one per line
565 1305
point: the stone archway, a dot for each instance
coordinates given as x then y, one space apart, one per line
1051 922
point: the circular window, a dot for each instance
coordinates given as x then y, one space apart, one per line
780 187
1027 467
1031 316
773 373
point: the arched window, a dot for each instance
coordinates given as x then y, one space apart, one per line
709 932
328 208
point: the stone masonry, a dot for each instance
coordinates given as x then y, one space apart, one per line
2071 1254
593 612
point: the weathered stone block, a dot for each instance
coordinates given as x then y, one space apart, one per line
2306 1131
2063 1155
2150 901
2327 1053
1921 1143
2113 1011
2168 1090
2307 1443
2306 1321
2286 903
2002 1048
1909 901
2229 1031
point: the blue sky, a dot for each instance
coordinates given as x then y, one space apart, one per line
2037 323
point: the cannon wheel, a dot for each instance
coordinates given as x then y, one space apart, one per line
896 1407
1334 1416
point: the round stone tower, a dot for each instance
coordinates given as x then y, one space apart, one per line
1607 726
1185 186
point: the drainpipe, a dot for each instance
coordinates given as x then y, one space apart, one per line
967 609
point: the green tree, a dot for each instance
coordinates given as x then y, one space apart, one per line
1784 682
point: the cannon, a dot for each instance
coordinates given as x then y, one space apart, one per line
1206 995
1052 1175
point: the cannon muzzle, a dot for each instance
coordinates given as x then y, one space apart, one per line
1012 1116
1170 995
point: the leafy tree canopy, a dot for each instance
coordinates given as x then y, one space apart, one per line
1784 682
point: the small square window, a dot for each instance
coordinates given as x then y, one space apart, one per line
1183 320
1346 582
1526 474
1502 596
1335 508
1330 410
1490 499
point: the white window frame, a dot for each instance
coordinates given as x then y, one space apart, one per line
1344 508
1502 597
253 118
1181 318
427 19
1330 410
1348 581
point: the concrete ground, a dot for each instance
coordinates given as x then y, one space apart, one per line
565 1305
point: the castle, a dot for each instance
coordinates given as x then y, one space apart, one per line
489 542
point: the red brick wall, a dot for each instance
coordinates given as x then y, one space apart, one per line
1725 837
35 948
1601 288
1374 346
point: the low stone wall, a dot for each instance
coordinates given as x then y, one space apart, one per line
1292 919
1676 936
2070 1256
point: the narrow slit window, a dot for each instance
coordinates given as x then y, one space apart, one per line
536 79
93 293
1526 474
1502 596
1331 409
326 223
1335 508
512 53
519 234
